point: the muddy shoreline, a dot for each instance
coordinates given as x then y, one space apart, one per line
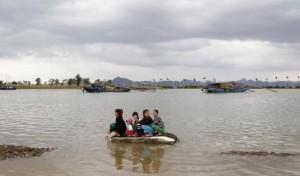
12 151
258 153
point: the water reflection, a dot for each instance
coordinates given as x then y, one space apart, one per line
144 158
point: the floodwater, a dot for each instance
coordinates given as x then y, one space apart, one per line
75 123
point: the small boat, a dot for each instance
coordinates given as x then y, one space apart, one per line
166 138
100 88
226 87
7 88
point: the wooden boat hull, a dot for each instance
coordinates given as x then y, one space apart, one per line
8 88
95 90
150 140
220 90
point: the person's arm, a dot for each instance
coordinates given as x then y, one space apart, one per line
149 121
160 123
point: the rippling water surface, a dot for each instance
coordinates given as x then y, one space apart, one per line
207 124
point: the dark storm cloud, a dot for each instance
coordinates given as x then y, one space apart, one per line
215 34
147 22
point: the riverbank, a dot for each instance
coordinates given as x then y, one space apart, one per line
48 87
162 88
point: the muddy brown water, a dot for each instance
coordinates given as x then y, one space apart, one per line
75 124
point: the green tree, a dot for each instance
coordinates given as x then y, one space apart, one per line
51 81
98 81
1 82
56 82
86 81
71 81
38 81
78 79
109 82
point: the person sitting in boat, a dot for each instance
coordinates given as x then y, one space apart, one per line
129 130
158 125
138 131
146 123
119 127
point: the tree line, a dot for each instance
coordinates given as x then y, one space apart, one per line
76 81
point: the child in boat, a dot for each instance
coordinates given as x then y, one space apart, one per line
129 130
136 125
119 127
158 125
146 123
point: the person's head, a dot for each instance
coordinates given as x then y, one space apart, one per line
118 112
155 113
146 113
135 116
129 121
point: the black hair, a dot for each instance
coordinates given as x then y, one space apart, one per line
156 111
144 111
119 111
135 113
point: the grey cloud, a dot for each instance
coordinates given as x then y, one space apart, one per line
141 22
155 33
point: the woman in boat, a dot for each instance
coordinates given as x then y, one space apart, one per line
146 123
158 125
119 127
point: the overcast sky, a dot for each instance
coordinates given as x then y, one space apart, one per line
150 39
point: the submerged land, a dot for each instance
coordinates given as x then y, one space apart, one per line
12 151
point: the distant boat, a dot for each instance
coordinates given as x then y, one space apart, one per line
7 88
100 88
225 87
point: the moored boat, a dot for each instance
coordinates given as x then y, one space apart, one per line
226 87
7 88
100 88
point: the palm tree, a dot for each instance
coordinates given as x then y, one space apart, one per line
276 81
298 81
287 81
266 82
256 79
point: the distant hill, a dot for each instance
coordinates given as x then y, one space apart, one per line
122 81
187 82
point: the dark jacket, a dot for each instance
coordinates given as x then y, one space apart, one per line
120 125
147 121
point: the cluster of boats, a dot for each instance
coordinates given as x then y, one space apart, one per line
7 88
221 87
94 88
104 88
